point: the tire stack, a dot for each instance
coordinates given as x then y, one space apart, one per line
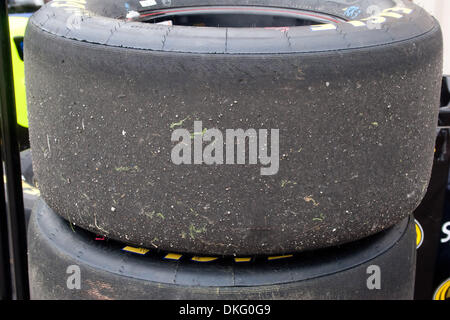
351 86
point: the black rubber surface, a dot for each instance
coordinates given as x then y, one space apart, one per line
107 272
356 107
30 192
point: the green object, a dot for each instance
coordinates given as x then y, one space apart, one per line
17 25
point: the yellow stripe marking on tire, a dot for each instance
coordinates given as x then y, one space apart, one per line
173 256
140 251
322 27
357 23
280 257
203 259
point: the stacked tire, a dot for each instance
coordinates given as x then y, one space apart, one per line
352 88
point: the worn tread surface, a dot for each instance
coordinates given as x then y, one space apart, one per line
356 109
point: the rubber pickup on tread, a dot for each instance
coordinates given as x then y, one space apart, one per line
355 102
